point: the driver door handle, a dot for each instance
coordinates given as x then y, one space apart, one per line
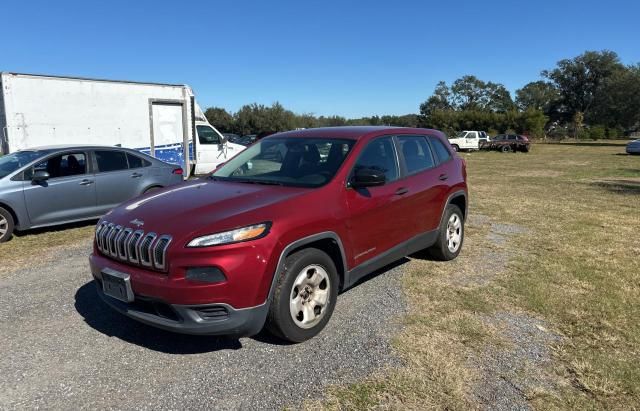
402 191
443 177
86 182
136 175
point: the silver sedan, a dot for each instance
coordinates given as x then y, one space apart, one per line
57 185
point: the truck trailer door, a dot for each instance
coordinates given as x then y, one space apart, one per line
168 131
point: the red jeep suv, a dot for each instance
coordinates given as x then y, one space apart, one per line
273 235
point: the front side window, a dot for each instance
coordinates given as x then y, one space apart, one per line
69 164
440 150
111 160
206 135
290 161
512 137
14 161
416 153
380 154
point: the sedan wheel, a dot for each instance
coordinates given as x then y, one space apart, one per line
6 225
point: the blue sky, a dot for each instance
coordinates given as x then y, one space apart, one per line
351 58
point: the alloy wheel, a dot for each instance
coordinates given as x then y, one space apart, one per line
454 233
309 296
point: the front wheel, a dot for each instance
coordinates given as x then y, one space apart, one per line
6 225
450 235
455 147
305 296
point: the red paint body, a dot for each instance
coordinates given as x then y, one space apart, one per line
366 226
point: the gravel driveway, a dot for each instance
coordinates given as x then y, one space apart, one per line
62 348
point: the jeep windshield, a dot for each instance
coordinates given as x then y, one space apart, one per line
14 161
287 161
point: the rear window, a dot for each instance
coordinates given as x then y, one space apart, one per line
137 162
111 160
441 151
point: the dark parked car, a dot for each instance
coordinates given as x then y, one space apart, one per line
56 185
507 143
274 240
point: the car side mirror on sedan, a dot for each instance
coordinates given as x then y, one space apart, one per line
367 177
40 176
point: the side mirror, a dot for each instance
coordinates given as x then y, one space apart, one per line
368 177
40 176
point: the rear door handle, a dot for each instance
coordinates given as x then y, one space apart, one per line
443 177
86 182
136 175
402 191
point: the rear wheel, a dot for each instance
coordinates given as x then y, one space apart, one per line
305 296
6 225
450 235
505 149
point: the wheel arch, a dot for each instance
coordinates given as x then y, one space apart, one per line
458 198
16 220
328 242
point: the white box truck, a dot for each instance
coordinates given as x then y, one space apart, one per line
157 119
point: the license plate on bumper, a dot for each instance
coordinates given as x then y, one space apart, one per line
117 285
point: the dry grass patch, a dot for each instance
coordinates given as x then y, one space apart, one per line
571 281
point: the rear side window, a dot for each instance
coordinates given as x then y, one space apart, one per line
443 155
109 160
416 153
137 162
380 154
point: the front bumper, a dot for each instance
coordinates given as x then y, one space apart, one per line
204 319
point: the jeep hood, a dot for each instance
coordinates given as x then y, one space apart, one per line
201 206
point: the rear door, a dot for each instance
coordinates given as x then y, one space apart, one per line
69 194
377 220
168 131
115 182
423 180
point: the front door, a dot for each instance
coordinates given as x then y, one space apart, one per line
376 220
210 150
69 193
471 139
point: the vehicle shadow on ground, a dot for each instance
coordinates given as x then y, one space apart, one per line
99 316
55 228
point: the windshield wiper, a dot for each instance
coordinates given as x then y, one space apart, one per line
264 182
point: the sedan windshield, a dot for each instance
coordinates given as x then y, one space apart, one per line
12 162
287 161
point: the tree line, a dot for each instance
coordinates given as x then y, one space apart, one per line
593 95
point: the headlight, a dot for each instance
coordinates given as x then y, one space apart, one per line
251 232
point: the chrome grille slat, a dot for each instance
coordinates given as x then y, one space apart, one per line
133 247
144 249
113 235
160 252
121 243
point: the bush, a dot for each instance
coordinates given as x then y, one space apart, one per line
597 132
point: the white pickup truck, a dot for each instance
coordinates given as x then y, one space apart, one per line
468 140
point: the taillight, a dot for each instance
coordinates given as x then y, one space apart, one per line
178 171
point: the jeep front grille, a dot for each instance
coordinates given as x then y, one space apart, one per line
134 247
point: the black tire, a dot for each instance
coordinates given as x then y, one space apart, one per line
440 250
151 189
526 149
455 147
7 224
280 321
505 149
